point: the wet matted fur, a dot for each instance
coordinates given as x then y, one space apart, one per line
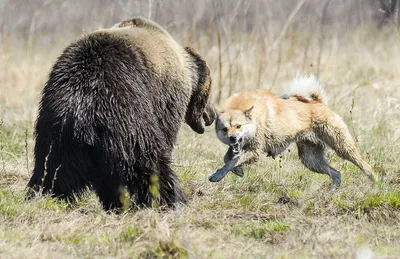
254 122
110 113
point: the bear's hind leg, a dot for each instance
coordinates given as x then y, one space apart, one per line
160 190
140 189
54 174
156 187
170 191
109 192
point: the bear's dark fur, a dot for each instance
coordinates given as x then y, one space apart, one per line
111 111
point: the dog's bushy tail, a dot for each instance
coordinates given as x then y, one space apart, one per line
307 89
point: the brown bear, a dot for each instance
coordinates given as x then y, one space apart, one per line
110 113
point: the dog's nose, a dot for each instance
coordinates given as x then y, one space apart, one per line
232 139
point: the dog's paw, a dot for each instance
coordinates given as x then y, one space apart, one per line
238 171
336 183
217 176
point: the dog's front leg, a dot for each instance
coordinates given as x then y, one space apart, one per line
236 161
228 157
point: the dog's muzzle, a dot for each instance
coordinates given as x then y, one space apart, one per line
235 144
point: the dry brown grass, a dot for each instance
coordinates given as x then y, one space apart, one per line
279 209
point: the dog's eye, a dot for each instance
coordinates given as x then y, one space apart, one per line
225 129
238 126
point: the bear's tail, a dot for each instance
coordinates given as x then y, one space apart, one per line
308 89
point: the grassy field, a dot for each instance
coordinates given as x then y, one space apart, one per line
278 210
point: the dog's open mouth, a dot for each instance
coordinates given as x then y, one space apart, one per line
236 148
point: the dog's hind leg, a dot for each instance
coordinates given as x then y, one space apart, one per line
312 155
336 135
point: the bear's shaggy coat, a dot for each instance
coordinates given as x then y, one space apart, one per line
111 111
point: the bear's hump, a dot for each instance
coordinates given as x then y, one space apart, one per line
161 52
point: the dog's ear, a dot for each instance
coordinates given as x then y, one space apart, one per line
248 112
200 113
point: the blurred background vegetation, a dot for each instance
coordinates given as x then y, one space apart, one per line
224 29
56 18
